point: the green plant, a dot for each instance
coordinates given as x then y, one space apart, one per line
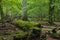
27 28
20 34
0 38
24 24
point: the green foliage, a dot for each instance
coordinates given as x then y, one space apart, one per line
20 34
28 24
35 8
54 32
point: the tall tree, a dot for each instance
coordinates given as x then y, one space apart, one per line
2 14
51 11
25 16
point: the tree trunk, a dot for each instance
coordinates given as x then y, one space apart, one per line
2 14
7 14
51 11
25 16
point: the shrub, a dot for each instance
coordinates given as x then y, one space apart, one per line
27 27
27 34
20 34
25 24
53 32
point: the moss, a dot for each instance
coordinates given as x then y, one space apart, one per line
27 24
0 38
20 34
53 32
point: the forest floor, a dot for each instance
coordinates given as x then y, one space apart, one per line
7 33
11 29
48 27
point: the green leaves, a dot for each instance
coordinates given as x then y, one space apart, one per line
28 24
34 7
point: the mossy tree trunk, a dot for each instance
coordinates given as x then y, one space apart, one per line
51 11
25 15
2 14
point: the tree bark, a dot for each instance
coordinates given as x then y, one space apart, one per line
2 14
51 11
25 15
